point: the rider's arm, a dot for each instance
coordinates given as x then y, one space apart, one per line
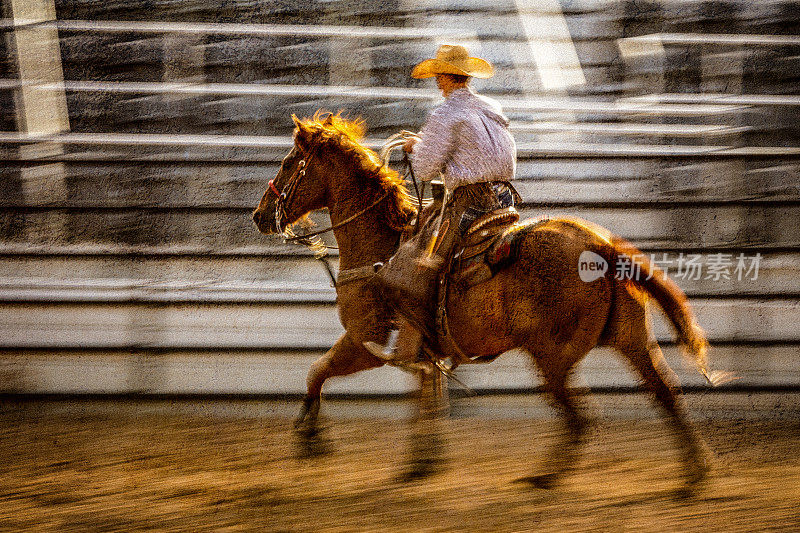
436 145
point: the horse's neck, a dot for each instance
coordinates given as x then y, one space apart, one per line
364 241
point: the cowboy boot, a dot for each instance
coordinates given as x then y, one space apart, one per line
401 349
387 352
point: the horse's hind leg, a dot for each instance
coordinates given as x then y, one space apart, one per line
563 455
637 344
344 358
661 381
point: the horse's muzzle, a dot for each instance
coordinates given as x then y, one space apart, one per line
263 225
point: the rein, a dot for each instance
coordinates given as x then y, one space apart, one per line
410 168
299 238
312 240
392 143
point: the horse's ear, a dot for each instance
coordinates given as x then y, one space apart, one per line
328 120
303 131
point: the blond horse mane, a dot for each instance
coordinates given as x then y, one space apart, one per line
335 133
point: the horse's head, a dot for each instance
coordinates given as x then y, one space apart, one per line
329 167
298 188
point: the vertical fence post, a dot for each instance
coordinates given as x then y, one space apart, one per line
41 101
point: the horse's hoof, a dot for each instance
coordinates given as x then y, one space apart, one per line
542 481
311 443
698 465
309 449
308 412
693 481
696 477
687 492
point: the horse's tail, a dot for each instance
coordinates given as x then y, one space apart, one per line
643 273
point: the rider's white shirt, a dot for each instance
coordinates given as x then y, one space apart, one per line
467 140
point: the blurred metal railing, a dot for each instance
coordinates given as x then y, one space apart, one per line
625 106
237 30
723 39
525 149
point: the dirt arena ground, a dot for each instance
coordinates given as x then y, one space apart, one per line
231 466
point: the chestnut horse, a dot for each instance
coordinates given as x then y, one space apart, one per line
538 304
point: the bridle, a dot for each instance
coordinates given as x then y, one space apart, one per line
284 197
311 240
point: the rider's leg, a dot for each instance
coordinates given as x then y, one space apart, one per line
409 278
415 304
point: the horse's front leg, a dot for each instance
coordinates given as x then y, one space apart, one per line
427 443
344 358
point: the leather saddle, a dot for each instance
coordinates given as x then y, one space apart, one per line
488 246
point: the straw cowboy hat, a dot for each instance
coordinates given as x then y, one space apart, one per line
453 59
